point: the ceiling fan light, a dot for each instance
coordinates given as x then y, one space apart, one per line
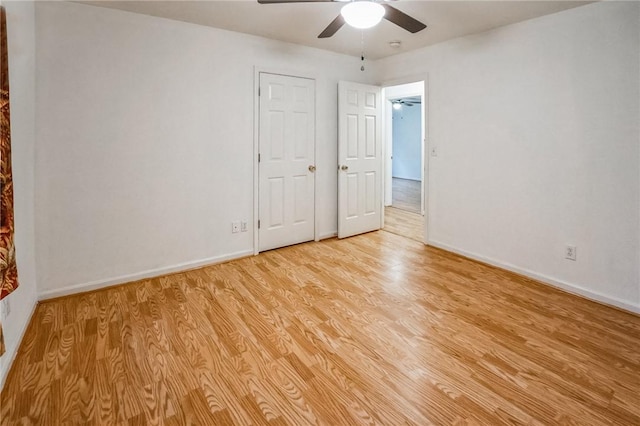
362 14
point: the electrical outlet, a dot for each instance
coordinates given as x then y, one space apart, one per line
570 252
235 227
243 226
434 151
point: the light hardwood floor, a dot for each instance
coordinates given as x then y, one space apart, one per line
374 329
405 223
406 194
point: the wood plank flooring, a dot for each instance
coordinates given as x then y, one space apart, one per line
405 223
374 329
406 194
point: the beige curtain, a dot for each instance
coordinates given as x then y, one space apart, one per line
8 269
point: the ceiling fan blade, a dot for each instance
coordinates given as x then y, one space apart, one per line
292 1
333 27
402 20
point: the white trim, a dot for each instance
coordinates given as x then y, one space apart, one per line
11 355
316 203
426 164
256 150
150 273
570 288
387 149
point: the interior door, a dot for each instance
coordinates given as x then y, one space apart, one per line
359 159
286 161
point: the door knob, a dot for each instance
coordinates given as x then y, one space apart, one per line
312 168
344 168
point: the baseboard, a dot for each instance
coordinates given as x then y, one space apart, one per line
151 273
570 288
401 178
12 354
328 235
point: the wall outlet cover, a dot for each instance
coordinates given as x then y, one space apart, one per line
235 227
570 252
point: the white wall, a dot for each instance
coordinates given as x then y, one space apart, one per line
145 141
407 145
21 41
537 130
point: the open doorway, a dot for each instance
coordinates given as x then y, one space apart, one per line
404 168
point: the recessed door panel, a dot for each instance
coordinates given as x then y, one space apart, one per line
301 95
276 91
371 99
300 199
352 195
370 193
276 127
300 130
352 97
352 136
370 136
276 202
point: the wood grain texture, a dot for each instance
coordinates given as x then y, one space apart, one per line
374 329
406 194
405 223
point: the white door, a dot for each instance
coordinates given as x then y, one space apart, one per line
286 161
359 159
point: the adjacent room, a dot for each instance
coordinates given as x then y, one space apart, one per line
320 212
404 172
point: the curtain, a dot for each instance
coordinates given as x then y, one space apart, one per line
8 269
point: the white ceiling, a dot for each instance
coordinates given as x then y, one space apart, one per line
301 23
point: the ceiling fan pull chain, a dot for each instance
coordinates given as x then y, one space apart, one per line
362 49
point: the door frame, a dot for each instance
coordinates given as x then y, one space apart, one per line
426 142
256 148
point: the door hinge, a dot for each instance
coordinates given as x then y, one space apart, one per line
258 223
258 157
259 91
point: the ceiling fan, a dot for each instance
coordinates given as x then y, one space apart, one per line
362 14
399 103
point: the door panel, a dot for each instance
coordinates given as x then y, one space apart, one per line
359 159
352 195
301 145
276 139
370 196
287 147
276 203
352 136
300 199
